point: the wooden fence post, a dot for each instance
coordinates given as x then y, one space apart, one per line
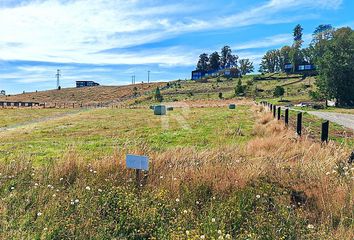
286 117
299 123
279 111
274 110
324 133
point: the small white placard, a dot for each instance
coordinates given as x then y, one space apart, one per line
137 162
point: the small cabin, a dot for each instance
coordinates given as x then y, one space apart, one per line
80 84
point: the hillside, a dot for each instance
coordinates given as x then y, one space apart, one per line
87 95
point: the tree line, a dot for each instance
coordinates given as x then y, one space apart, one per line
275 60
225 60
331 51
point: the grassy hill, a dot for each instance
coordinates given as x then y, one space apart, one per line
87 95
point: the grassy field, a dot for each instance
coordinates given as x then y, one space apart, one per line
97 133
214 173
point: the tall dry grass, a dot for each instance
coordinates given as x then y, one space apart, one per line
316 179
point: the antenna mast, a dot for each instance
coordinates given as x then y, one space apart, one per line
58 78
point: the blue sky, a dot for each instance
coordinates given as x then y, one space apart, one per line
109 41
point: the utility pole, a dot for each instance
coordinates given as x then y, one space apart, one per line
149 76
58 78
133 79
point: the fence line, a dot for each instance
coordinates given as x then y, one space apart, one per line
276 111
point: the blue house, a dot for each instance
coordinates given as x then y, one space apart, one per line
80 84
304 67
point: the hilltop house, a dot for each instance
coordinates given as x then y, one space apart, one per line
227 72
304 67
80 84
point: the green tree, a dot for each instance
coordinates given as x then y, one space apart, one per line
239 88
295 52
279 92
203 62
336 68
321 35
227 59
214 61
246 66
284 57
158 96
297 33
270 62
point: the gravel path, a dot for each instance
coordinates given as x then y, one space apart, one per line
346 120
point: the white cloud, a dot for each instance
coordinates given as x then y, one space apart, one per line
79 31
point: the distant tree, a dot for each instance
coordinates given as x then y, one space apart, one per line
322 32
227 59
321 35
220 95
336 68
214 61
158 96
295 52
297 33
203 62
270 62
246 66
239 88
308 54
279 92
284 57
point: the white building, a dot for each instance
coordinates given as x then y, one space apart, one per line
2 93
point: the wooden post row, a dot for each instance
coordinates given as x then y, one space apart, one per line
279 109
324 133
299 123
286 120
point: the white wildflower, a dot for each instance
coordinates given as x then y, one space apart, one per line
76 201
185 211
187 232
202 237
100 190
177 199
310 226
213 220
39 214
88 188
219 232
228 236
258 196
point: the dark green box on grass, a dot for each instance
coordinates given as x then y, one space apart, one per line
232 106
160 110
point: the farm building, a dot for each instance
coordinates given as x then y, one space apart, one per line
86 84
2 93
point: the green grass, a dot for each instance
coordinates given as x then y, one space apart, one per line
96 133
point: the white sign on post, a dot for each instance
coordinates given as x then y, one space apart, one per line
137 162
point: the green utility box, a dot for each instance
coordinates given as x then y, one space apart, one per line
160 110
232 106
169 108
